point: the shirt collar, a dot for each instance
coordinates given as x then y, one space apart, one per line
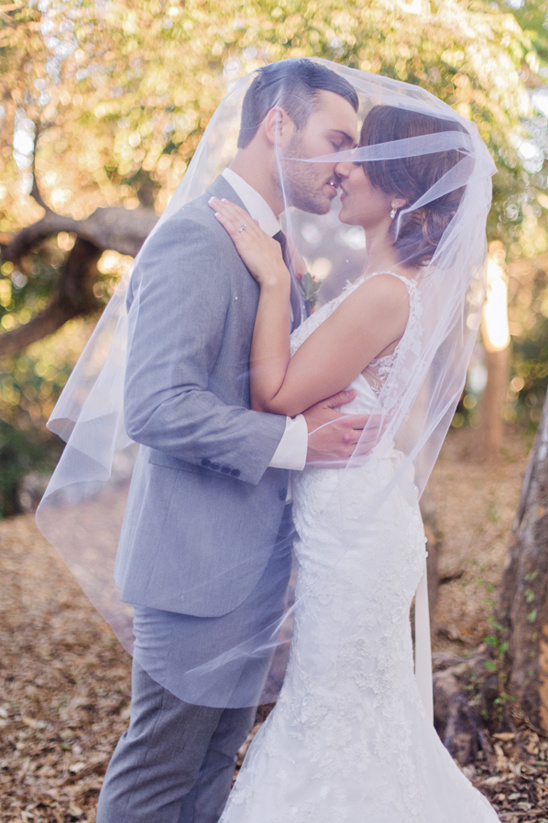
255 204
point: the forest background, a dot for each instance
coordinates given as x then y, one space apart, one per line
102 104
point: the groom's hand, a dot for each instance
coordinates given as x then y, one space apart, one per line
334 435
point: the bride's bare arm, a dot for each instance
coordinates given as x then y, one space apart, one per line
366 324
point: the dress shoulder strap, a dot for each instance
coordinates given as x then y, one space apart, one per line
410 284
412 291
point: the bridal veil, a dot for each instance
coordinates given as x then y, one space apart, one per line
82 509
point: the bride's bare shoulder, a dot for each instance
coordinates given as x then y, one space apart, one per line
384 289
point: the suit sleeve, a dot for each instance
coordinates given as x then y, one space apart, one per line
176 325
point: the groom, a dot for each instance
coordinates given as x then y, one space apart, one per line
205 550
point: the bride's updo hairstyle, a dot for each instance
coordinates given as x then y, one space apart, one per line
418 231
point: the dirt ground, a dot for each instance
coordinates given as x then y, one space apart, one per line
65 681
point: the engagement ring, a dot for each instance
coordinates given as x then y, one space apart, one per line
243 227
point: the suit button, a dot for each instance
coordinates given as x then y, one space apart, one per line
214 466
235 472
282 494
206 462
225 469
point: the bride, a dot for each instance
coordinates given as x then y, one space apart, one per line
350 739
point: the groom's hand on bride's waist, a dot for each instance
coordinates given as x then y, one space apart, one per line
333 436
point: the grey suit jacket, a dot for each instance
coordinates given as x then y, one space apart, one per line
204 508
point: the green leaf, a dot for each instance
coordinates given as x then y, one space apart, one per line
529 595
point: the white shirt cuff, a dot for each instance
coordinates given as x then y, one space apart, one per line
292 448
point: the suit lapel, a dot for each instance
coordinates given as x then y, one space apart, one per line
221 188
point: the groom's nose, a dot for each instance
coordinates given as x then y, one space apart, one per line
342 170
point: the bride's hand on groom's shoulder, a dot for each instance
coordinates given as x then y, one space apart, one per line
261 254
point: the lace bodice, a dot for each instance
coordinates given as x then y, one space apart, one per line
382 373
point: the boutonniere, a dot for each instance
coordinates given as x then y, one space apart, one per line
309 288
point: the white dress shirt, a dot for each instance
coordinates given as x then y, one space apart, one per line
292 448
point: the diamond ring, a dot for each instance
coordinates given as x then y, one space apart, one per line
243 227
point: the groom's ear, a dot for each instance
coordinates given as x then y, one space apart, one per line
278 127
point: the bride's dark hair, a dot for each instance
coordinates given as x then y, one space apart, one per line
417 232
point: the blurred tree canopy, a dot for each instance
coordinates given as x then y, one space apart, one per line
103 102
118 93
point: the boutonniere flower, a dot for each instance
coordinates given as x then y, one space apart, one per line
309 288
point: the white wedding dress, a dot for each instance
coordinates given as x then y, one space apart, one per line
349 740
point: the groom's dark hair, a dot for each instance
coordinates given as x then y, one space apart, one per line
294 85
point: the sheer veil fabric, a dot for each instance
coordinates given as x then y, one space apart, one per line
82 509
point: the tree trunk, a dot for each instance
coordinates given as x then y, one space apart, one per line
496 342
513 672
460 711
491 428
523 598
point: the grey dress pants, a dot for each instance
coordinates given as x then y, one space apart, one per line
175 762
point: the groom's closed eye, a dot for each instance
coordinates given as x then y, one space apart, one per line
342 140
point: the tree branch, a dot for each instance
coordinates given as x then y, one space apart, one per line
45 322
74 297
116 228
35 191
